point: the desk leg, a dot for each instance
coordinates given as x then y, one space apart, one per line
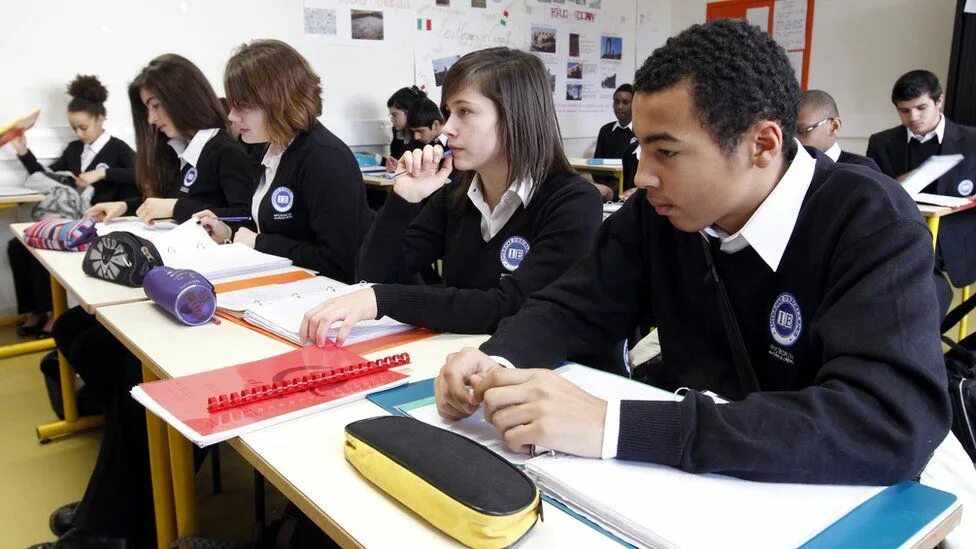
933 223
162 474
72 423
620 184
964 322
184 488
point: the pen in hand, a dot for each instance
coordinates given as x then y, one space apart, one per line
447 154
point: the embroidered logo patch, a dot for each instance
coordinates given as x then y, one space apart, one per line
101 166
513 252
965 187
190 177
785 320
282 199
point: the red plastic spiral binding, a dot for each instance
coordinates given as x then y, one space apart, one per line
304 383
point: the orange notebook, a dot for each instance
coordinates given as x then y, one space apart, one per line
10 132
183 402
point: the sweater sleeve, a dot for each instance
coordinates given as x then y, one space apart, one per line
567 228
404 238
124 173
30 162
876 410
874 153
236 173
332 186
601 143
594 305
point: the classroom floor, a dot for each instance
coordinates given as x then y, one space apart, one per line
38 478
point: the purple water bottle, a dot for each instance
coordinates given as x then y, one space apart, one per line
185 294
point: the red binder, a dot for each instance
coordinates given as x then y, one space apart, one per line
340 376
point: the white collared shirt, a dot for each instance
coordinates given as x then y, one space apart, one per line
767 231
617 125
189 152
939 131
91 151
270 163
833 152
492 221
771 225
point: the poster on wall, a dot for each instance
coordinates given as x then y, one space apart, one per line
356 22
446 32
582 50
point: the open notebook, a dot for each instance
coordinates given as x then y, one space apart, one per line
656 506
279 309
188 246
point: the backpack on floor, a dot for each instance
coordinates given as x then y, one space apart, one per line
960 363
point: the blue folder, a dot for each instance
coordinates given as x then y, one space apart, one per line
889 519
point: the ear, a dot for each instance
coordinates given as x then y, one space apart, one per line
436 126
940 103
766 143
835 126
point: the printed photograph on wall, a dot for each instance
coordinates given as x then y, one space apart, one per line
543 39
574 43
320 21
574 70
441 66
479 3
367 25
446 3
574 92
609 82
611 47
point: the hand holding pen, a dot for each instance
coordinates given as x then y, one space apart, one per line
217 227
420 172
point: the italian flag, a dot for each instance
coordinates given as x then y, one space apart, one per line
504 20
424 24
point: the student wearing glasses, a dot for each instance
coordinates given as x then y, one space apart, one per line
817 124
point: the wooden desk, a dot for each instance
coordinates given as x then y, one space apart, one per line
616 170
19 200
378 181
312 472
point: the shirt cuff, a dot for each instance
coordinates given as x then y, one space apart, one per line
611 430
503 361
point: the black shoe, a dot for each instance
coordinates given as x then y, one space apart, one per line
63 518
28 331
82 539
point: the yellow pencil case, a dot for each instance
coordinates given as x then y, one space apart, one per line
464 489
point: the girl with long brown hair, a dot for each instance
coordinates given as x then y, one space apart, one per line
514 219
186 160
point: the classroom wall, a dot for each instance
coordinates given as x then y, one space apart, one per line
859 49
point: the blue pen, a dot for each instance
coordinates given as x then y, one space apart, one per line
232 219
391 176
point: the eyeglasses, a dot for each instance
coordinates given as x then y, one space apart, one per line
809 129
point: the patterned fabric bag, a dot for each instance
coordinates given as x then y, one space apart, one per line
121 257
55 233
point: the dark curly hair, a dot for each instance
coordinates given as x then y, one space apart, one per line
739 75
87 95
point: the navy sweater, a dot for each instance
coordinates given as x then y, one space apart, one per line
223 181
859 397
484 282
116 157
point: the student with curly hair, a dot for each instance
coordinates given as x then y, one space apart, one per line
96 159
823 337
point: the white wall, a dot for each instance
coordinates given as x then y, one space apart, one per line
860 47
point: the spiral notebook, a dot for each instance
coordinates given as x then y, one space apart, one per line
183 402
281 310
